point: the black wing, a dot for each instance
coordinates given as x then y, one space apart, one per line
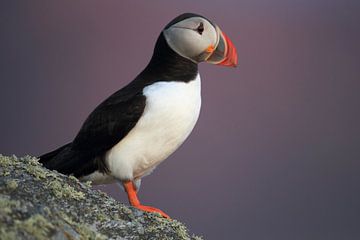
111 121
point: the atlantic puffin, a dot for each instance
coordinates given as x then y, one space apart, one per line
131 132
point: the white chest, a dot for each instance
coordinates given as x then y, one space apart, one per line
172 109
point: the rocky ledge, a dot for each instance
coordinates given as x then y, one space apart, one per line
36 203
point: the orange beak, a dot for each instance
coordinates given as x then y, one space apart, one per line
224 53
230 56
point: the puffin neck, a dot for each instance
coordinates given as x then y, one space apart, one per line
167 65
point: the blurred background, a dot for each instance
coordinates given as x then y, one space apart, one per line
275 154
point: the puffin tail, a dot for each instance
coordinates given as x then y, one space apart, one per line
52 160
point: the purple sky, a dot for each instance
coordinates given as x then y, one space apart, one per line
275 154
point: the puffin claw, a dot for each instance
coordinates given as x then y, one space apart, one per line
152 210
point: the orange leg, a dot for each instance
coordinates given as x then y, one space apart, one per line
134 200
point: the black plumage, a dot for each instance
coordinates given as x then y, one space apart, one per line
113 119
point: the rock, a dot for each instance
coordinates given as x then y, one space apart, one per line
36 203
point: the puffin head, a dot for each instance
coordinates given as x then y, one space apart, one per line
198 39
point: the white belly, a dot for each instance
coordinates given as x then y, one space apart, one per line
171 111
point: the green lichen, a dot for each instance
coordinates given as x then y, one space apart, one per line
66 218
101 217
7 234
88 184
74 179
84 230
31 160
37 226
88 233
36 172
12 184
6 161
39 172
47 210
7 173
163 224
64 190
34 168
6 204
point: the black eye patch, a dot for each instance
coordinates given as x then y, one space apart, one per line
200 28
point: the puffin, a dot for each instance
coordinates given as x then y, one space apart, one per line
136 128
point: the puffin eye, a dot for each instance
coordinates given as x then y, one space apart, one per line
200 28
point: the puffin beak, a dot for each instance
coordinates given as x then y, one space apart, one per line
224 53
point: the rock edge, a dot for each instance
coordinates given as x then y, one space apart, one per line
36 203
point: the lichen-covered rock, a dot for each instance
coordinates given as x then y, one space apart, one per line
36 203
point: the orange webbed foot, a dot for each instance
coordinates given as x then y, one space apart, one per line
134 201
152 210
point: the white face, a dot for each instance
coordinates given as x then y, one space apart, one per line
192 37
